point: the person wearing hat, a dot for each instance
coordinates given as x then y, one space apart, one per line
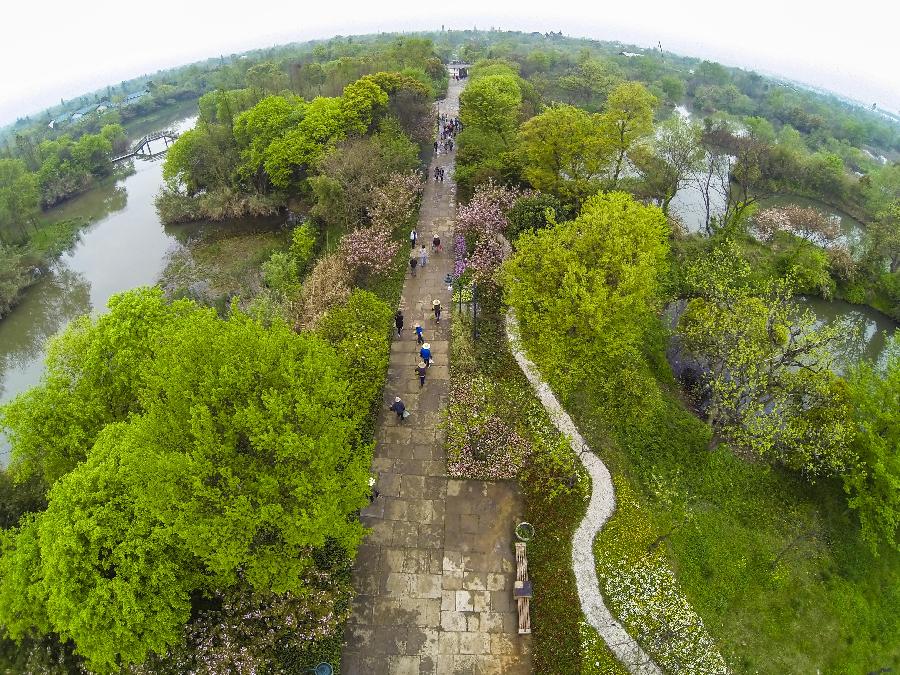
421 369
436 307
399 408
419 337
425 353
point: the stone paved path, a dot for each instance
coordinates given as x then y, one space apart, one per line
434 577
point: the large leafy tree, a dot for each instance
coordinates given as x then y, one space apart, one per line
766 366
563 153
19 195
586 290
197 453
491 104
627 118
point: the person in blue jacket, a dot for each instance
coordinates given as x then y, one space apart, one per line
425 353
420 339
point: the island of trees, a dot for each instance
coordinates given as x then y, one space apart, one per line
756 464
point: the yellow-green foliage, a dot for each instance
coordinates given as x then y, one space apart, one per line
585 291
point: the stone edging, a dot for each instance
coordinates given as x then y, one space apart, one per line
600 509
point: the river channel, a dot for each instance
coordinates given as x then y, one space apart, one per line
124 247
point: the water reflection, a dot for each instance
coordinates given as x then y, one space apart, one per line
59 297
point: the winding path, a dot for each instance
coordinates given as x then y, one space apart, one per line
600 509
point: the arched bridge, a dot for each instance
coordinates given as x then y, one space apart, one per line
142 147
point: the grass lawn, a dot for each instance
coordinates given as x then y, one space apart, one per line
773 565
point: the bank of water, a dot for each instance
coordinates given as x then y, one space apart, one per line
126 246
872 327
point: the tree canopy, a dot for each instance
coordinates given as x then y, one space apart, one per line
195 453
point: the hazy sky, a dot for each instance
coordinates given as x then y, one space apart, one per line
53 49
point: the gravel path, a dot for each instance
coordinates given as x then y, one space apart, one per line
600 509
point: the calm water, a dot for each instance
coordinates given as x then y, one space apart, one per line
126 247
872 326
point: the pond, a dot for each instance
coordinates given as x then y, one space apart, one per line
873 326
125 247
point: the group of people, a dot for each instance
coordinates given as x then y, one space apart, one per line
421 369
438 174
419 257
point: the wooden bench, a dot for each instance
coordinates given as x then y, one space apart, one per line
522 589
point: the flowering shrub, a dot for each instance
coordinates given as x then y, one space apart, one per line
250 633
485 214
459 256
395 203
803 221
368 250
486 259
479 443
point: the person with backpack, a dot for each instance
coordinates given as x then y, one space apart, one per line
400 408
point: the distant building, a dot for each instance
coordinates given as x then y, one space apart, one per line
135 97
59 121
103 106
82 112
630 55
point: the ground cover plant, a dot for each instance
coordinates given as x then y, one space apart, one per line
554 484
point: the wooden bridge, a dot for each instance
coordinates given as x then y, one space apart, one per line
142 147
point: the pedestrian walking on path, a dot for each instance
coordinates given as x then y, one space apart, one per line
400 408
412 265
421 369
398 321
436 243
425 353
423 256
420 339
436 308
413 236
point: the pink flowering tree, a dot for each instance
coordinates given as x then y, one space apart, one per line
486 259
394 204
368 251
802 221
482 223
485 214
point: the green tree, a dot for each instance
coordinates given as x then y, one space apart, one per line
678 145
563 153
237 455
255 129
19 196
627 118
767 380
873 482
587 290
267 78
492 105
